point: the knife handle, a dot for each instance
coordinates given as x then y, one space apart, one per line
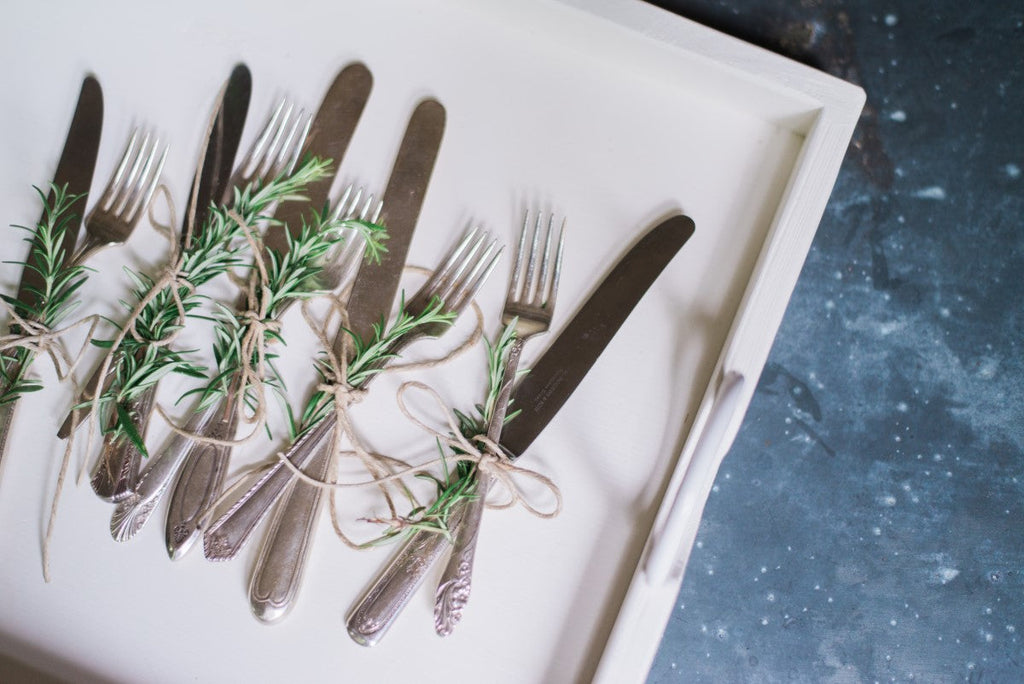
118 467
229 533
278 572
131 514
382 603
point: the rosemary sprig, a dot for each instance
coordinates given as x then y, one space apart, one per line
291 276
370 357
459 486
142 357
52 302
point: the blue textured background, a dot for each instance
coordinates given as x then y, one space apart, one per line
867 524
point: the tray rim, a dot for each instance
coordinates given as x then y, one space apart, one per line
834 109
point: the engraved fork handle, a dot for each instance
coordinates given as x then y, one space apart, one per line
200 480
382 603
456 581
226 536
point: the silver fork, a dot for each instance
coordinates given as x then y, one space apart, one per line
455 283
275 152
198 459
529 306
126 196
383 601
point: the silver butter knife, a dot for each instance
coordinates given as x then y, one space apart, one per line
74 173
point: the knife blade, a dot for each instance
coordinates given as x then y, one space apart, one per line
277 575
214 170
202 472
557 374
74 172
539 396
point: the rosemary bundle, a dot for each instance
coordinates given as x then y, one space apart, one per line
141 354
50 303
457 485
278 281
369 358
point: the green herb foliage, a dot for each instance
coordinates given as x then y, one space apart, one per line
50 303
291 276
371 356
220 245
456 487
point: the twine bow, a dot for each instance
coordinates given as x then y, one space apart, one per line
488 457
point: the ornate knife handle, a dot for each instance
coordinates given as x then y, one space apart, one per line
229 533
131 514
118 467
200 479
377 610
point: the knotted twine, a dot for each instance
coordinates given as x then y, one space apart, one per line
174 277
40 339
386 470
250 376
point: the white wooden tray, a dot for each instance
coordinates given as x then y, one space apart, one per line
612 112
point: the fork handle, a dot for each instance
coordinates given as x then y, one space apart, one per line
200 480
456 581
370 619
131 514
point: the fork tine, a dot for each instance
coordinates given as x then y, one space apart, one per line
342 203
249 163
468 286
428 288
106 199
268 155
147 184
367 208
123 191
540 294
529 286
451 279
517 266
557 274
292 146
351 254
